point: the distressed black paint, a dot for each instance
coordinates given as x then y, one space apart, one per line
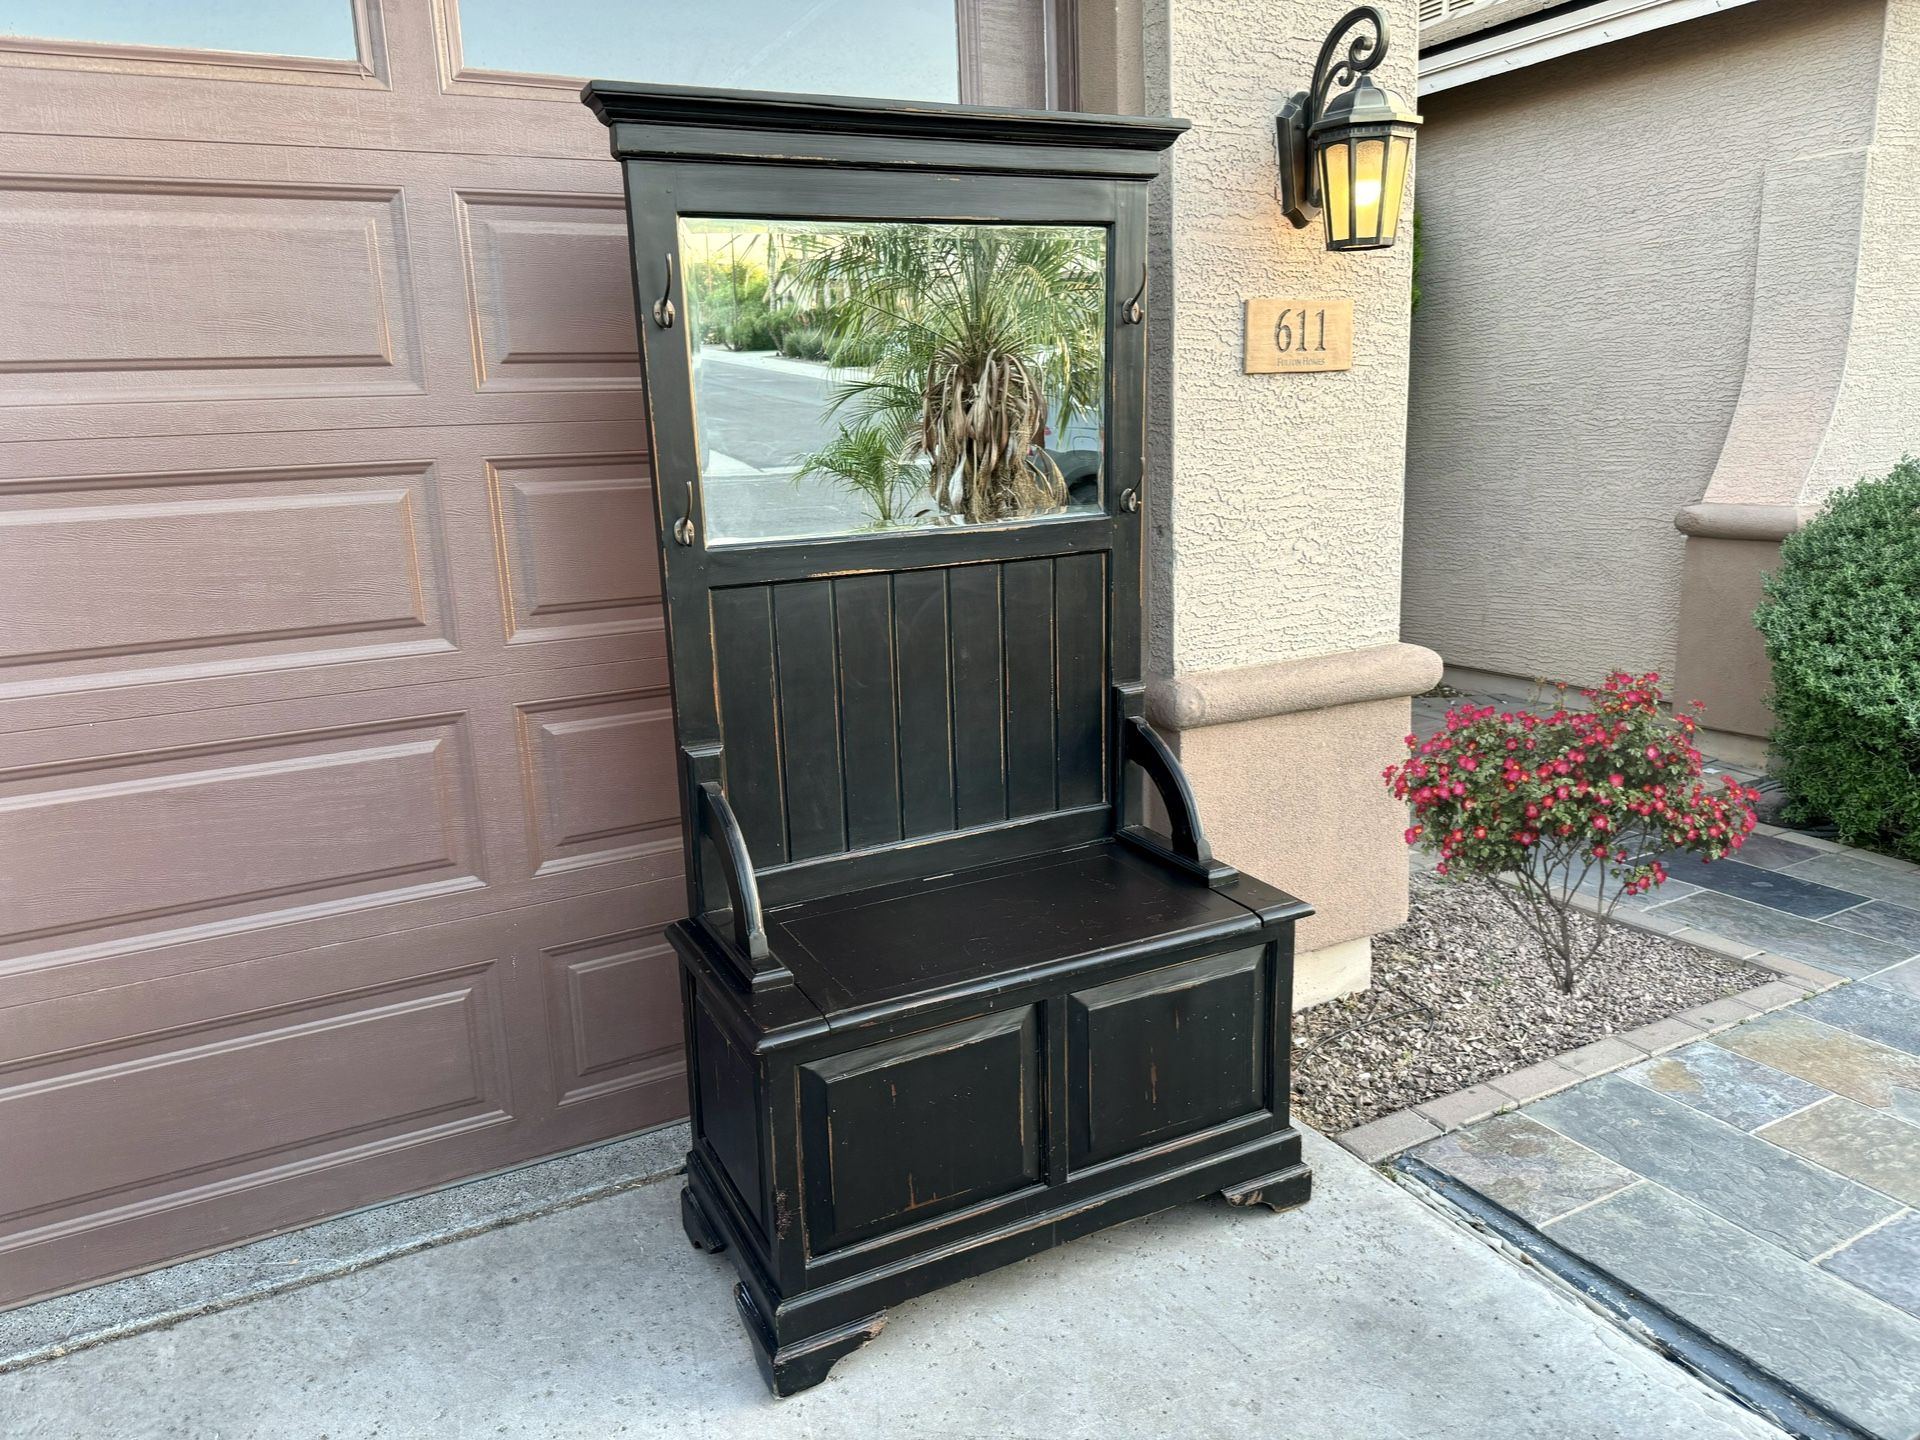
988 1010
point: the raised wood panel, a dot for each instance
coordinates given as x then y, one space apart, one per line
1164 1054
125 289
866 709
600 778
614 1023
128 849
574 535
878 1126
549 291
251 1092
130 579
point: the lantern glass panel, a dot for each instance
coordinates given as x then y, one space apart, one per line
1369 175
1399 147
1336 191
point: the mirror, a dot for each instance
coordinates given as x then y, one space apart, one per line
861 376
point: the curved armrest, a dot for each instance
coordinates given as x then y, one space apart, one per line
717 821
1189 849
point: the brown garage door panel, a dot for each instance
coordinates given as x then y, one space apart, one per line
611 1026
141 848
180 1114
155 575
549 285
570 530
444 289
213 290
162 845
116 577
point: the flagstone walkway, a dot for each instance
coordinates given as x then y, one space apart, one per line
1753 1194
1759 1187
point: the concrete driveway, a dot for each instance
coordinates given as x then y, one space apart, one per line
1364 1316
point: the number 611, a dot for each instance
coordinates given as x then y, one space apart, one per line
1284 334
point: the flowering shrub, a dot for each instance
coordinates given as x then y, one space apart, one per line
1557 801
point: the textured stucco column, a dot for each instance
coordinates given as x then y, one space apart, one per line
1831 389
1274 500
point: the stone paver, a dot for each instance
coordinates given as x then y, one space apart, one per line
1662 1035
1708 940
1774 994
1717 1014
1848 870
1882 920
1536 1080
1904 978
1845 1349
1729 1087
1782 890
1524 1167
1463 1107
1884 1262
1389 1135
1837 1060
1775 850
1787 965
1601 1056
1889 1016
1778 1196
1867 1145
1814 941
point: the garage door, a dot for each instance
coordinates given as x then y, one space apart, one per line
337 820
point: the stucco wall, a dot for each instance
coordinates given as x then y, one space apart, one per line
1274 500
1592 227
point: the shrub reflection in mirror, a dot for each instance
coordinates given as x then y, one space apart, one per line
1544 808
961 375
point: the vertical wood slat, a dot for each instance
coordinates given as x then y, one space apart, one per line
1080 668
867 709
869 728
979 696
923 667
1027 590
803 633
749 717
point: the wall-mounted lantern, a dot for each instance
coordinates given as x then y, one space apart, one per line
1347 156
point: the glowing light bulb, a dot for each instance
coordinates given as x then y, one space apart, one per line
1366 192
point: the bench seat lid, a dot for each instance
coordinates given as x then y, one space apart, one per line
898 947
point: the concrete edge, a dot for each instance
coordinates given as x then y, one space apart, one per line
47 1329
1380 1140
1285 687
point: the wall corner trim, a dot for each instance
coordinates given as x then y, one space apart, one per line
1730 520
1284 687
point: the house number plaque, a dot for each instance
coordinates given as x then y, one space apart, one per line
1287 336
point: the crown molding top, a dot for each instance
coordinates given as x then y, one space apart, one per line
674 120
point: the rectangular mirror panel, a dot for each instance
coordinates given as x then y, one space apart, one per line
861 376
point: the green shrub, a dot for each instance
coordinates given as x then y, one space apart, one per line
1842 624
754 327
805 342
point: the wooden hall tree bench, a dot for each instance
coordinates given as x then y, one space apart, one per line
948 1000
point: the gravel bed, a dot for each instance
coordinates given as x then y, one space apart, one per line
1460 995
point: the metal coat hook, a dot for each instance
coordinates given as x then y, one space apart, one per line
683 527
1132 313
663 307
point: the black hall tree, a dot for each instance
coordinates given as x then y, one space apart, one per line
949 1000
